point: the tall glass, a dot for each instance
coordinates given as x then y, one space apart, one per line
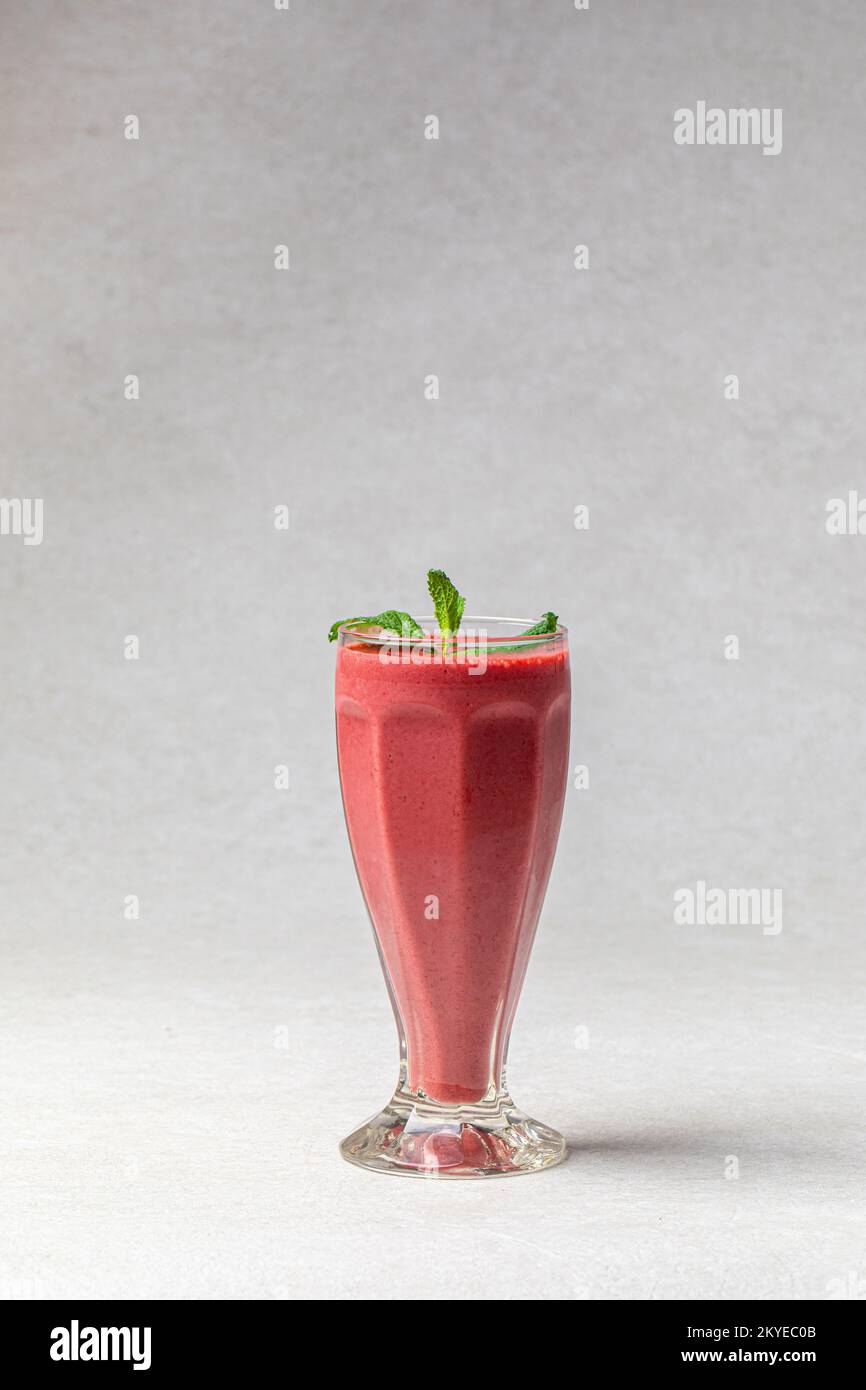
453 766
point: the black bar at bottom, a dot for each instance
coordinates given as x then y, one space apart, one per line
156 1339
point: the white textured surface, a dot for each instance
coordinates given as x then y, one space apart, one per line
162 1136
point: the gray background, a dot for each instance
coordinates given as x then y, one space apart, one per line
174 1088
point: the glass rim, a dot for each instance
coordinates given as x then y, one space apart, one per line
469 627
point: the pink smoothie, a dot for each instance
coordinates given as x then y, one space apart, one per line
453 786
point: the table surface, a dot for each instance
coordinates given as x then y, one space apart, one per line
177 1109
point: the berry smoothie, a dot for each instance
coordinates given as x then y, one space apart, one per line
453 782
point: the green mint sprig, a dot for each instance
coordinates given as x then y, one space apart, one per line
392 620
547 623
448 605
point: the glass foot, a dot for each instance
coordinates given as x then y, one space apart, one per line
420 1138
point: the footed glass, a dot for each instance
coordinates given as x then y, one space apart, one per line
453 768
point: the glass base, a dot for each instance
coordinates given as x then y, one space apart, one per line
419 1138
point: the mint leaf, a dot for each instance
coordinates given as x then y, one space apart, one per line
547 624
392 620
447 603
